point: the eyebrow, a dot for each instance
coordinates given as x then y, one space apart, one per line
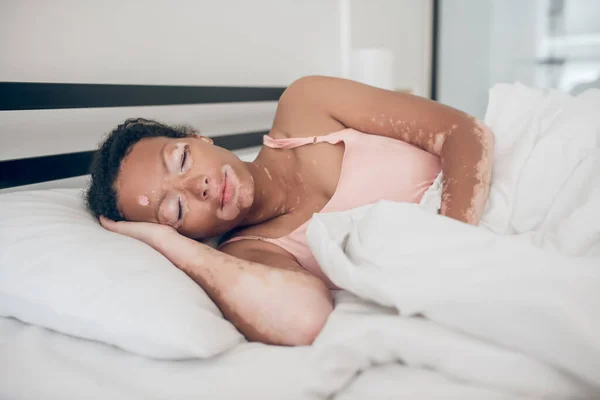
163 161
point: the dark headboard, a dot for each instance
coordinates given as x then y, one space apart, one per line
17 96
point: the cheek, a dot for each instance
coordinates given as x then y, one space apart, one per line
200 221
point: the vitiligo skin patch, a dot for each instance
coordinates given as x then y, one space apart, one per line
143 200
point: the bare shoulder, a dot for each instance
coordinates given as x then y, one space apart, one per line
299 114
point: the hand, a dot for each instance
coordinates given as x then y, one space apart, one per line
149 233
180 250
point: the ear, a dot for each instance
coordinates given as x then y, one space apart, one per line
205 139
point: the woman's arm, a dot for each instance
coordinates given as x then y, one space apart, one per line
277 303
464 144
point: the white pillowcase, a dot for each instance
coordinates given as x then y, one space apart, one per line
60 269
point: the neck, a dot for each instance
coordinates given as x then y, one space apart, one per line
271 190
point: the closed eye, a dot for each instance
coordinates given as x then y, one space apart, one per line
184 156
179 209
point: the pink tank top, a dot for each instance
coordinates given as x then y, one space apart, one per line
373 168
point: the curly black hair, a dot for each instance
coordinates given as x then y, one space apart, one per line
101 196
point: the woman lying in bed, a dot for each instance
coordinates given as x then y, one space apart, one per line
334 145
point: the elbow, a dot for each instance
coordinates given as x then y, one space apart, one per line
295 318
308 317
309 325
300 328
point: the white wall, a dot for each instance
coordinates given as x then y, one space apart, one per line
232 42
464 54
193 42
514 40
582 17
405 27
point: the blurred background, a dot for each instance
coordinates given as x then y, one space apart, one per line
541 43
449 50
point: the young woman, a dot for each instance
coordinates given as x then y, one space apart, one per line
335 144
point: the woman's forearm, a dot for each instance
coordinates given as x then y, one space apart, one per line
267 304
467 166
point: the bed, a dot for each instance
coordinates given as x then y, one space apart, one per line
441 311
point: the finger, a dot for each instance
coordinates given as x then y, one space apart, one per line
107 223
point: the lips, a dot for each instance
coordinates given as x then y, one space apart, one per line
228 190
224 190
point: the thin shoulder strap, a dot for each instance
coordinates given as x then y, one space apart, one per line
290 143
287 143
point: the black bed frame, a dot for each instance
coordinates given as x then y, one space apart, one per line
37 96
45 96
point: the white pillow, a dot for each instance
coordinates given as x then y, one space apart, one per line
60 269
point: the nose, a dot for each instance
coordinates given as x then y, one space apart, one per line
199 186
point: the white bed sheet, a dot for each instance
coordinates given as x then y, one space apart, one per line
394 381
36 363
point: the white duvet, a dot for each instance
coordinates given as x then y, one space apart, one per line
512 307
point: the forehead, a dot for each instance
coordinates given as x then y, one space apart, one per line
141 174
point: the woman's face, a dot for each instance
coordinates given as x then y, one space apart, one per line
190 184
